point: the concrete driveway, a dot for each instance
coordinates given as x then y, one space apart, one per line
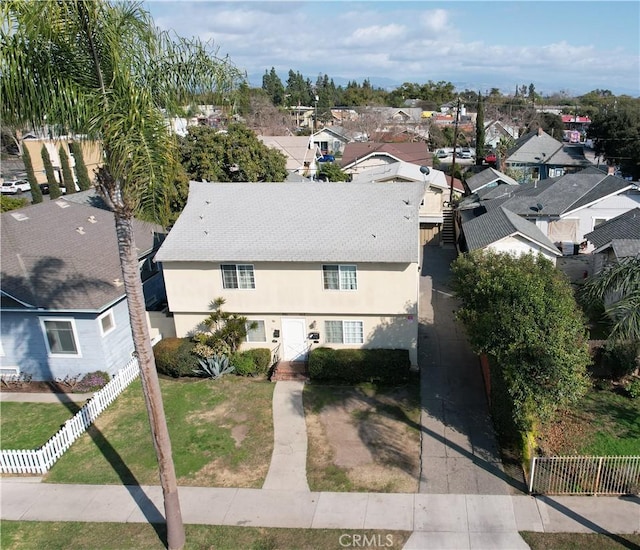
459 450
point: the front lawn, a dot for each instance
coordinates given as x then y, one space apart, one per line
363 438
26 535
31 425
579 541
221 435
604 423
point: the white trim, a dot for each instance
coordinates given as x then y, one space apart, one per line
249 321
594 218
590 204
74 330
106 314
339 266
343 321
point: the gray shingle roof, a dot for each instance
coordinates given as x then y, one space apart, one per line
47 262
623 227
486 177
297 222
624 248
558 196
501 223
538 147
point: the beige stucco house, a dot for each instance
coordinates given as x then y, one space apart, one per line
91 153
313 264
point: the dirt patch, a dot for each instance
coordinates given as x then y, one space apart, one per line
215 474
363 441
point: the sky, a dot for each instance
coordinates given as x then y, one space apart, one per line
571 46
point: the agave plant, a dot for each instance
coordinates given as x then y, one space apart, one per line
214 367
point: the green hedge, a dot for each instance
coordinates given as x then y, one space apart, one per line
174 357
252 362
387 366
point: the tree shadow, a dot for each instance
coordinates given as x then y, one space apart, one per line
51 282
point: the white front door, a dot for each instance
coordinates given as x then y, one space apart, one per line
294 339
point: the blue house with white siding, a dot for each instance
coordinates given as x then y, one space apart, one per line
62 303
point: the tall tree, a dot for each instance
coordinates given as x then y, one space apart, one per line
237 155
104 70
480 131
54 188
615 130
84 182
67 175
617 289
36 192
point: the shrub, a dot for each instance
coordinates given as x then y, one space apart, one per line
633 388
174 357
214 367
387 366
92 381
252 362
244 364
619 358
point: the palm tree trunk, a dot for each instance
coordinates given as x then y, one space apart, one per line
149 377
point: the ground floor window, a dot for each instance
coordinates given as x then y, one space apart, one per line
61 336
344 332
257 333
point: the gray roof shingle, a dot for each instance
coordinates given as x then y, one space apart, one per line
623 227
501 223
48 262
297 222
486 177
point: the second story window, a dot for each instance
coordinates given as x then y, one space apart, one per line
340 277
238 276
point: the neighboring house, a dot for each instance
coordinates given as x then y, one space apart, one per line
503 231
487 179
306 262
299 150
91 154
615 239
62 298
538 156
358 157
495 130
437 195
565 209
331 140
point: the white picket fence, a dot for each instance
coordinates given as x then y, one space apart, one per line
585 475
39 461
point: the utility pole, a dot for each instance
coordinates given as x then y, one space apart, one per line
455 143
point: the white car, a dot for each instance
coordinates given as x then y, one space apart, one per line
15 187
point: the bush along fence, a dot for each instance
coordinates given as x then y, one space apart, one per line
40 461
585 475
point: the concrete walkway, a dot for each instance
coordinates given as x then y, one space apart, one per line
459 452
26 397
438 521
288 468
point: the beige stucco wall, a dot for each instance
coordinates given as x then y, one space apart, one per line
385 301
293 288
400 332
91 153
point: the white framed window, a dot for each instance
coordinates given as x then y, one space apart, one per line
238 276
61 336
598 221
256 334
340 277
344 332
107 322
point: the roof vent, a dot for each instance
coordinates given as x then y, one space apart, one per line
92 219
19 216
63 204
117 282
80 230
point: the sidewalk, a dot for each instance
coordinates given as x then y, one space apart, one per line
488 518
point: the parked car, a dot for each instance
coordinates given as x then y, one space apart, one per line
327 158
466 153
490 158
15 187
441 154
